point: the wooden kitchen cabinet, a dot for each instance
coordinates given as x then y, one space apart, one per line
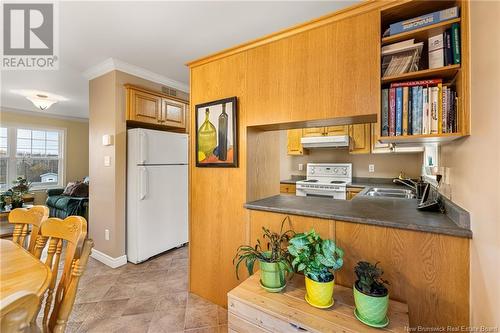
352 192
154 109
313 131
328 72
336 130
173 113
143 107
360 136
294 146
287 188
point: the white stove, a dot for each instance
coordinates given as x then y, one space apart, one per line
325 180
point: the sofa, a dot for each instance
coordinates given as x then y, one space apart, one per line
62 206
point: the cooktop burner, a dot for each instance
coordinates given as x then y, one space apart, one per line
311 181
337 182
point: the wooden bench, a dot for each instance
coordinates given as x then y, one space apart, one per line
252 309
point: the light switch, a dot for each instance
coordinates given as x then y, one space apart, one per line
301 166
107 161
107 140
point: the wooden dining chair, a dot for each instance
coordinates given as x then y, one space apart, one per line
17 311
71 233
24 219
65 296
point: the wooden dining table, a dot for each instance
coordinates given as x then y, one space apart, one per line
21 271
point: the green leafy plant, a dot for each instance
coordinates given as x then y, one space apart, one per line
16 192
370 280
316 257
276 250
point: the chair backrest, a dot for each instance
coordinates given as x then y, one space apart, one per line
70 232
17 311
65 297
23 219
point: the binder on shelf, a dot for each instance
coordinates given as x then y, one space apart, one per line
455 34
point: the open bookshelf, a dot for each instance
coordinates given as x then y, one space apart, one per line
453 76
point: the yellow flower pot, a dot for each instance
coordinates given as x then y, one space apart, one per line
319 294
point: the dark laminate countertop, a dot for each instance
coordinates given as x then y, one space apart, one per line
293 179
387 212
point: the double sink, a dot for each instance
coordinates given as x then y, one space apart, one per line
390 193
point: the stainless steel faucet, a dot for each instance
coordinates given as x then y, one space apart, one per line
405 181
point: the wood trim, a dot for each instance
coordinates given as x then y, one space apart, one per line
153 92
338 15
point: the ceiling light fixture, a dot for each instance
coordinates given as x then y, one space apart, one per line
43 102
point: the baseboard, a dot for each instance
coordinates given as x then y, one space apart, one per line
107 260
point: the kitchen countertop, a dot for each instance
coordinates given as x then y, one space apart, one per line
293 179
387 212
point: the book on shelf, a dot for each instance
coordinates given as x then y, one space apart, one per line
455 42
392 111
419 107
436 51
405 110
385 112
399 111
444 49
422 21
400 58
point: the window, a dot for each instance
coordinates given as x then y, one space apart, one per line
36 154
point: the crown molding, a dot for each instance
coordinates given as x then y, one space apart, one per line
112 64
44 115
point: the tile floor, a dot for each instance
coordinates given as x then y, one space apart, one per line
150 297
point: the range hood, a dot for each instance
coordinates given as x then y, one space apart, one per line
334 141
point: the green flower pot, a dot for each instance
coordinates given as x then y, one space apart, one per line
272 276
371 309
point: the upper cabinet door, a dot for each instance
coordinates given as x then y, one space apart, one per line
173 113
313 131
336 130
327 72
144 107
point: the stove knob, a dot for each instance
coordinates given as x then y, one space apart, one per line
312 171
335 170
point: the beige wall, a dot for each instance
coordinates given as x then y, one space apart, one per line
107 207
475 165
386 165
77 140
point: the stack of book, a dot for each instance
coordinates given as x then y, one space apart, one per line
419 107
400 58
444 49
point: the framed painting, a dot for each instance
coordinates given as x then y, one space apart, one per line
217 133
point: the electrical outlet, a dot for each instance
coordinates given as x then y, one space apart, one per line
106 234
371 167
301 166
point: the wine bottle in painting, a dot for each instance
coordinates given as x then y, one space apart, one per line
207 137
223 119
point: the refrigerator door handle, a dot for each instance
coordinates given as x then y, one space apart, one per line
143 146
143 183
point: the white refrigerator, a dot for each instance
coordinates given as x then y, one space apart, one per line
157 192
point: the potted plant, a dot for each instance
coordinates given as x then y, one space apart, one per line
371 296
2 201
318 259
17 192
274 263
